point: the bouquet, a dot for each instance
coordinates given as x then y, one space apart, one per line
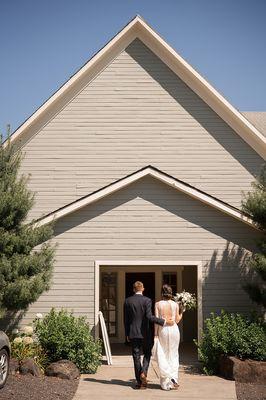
186 301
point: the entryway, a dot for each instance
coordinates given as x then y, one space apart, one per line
114 281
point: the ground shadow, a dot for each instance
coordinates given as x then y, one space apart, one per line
118 382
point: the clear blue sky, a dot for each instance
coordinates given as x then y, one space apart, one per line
43 42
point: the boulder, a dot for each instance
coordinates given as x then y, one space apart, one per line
244 371
29 366
63 369
251 371
13 366
228 366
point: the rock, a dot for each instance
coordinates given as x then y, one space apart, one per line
251 371
244 371
63 369
13 366
228 366
28 366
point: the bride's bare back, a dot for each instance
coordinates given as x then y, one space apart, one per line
167 309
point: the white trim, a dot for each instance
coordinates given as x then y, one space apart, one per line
205 90
199 299
139 263
76 77
148 171
138 28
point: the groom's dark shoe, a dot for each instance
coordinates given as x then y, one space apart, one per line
137 385
140 386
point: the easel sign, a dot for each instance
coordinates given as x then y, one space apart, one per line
106 341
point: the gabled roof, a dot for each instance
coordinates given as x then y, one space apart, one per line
157 174
138 28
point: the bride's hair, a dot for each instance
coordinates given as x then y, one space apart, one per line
167 293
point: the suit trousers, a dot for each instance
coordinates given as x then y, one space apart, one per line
139 346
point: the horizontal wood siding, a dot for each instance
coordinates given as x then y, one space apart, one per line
151 221
134 113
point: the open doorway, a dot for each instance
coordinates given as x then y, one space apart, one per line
148 280
114 281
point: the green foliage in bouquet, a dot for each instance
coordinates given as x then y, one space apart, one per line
64 336
232 335
186 301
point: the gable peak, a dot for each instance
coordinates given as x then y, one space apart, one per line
138 28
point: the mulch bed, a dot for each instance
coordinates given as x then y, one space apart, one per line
250 391
28 387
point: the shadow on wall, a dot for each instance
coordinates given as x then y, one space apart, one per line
223 284
195 106
177 203
11 320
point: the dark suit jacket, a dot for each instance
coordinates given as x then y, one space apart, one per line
138 317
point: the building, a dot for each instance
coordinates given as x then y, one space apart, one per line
141 164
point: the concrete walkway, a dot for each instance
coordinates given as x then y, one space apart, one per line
115 383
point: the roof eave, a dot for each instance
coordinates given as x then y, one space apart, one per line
155 173
247 131
139 28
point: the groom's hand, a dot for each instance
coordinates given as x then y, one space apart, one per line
169 321
128 340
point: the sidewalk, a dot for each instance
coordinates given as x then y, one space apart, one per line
115 383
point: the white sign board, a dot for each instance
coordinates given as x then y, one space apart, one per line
105 340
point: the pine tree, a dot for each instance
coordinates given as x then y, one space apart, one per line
25 271
254 204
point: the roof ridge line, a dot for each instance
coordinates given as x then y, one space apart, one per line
128 179
138 26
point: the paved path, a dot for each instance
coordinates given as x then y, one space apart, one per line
115 383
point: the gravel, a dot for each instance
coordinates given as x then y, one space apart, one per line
250 391
28 387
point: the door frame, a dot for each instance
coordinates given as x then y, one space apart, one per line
145 263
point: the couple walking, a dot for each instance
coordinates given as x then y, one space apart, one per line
162 344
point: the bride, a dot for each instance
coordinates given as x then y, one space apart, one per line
166 340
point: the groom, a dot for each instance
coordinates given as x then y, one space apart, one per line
139 331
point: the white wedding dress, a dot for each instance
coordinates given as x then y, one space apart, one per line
165 349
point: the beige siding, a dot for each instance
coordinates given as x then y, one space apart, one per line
135 113
148 221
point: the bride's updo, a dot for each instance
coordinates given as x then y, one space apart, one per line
166 292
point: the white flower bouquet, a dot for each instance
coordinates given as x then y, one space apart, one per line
186 301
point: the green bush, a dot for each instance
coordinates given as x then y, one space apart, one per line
24 345
232 335
64 336
21 350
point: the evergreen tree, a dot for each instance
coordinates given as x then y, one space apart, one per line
25 271
254 204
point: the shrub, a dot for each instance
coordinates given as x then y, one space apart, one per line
21 350
64 336
232 335
24 346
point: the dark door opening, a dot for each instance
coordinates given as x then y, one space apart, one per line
148 280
